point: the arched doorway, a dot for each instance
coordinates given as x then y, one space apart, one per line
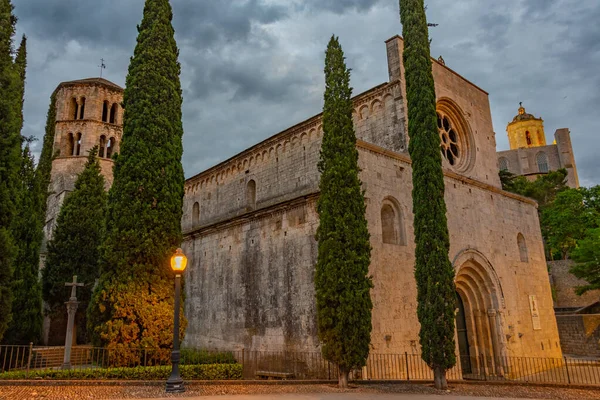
462 337
480 336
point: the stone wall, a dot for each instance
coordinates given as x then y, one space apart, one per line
564 284
250 282
285 166
580 334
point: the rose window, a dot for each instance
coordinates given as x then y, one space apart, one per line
450 140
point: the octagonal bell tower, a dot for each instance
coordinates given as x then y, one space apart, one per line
525 131
88 113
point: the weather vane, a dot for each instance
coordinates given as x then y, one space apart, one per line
102 66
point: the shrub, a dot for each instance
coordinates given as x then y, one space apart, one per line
200 372
197 357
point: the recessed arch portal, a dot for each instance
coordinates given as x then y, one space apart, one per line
483 345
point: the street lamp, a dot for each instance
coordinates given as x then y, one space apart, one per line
175 383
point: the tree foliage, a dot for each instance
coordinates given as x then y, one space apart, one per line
436 292
341 282
44 167
74 248
543 189
26 287
27 231
145 202
587 256
10 156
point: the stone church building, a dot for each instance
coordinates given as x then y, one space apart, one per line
249 225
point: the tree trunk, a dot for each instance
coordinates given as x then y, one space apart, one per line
343 378
440 378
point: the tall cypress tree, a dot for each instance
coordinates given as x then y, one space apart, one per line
74 249
26 326
341 282
10 156
134 299
436 293
44 167
27 231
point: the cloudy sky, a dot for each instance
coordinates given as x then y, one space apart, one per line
251 68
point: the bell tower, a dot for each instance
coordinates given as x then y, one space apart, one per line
525 131
88 113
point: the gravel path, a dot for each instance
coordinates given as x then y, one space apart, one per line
194 389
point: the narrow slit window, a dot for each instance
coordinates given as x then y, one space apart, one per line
102 146
113 113
105 111
196 215
78 145
82 109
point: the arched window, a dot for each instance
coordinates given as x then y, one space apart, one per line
70 148
113 114
522 248
82 108
392 224
503 164
110 147
528 138
196 214
542 161
105 111
251 195
102 146
74 108
78 145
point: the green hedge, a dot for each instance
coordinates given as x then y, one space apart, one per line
201 372
195 357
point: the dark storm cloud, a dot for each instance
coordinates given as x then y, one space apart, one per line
251 68
337 6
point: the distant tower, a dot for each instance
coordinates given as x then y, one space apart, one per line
525 131
88 113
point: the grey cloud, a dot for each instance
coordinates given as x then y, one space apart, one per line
251 68
340 6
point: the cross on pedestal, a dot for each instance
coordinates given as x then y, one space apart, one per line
71 310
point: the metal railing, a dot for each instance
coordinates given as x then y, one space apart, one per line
309 365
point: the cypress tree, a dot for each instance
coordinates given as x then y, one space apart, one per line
10 156
44 168
436 293
344 252
27 231
74 249
134 298
26 288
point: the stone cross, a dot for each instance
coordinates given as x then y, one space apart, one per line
71 310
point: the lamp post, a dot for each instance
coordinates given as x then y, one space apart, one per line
175 383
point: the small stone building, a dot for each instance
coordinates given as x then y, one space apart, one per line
530 156
250 222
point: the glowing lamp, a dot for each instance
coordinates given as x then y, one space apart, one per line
178 261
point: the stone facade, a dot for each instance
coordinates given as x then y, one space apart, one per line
530 156
250 224
88 113
580 334
563 285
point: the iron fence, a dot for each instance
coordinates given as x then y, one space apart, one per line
309 365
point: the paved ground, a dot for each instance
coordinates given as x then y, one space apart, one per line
339 396
250 391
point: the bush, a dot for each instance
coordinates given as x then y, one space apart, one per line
200 372
197 357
